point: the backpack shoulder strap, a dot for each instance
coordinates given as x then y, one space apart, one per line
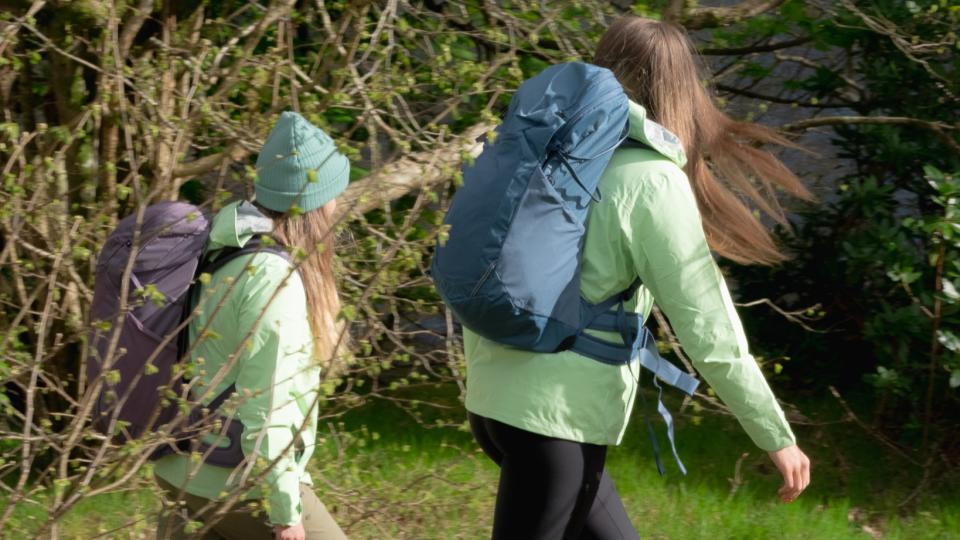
209 264
215 260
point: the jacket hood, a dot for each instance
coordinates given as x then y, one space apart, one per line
235 224
657 137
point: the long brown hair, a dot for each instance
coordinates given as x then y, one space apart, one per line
312 233
656 64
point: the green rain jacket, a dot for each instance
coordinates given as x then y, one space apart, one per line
646 225
277 379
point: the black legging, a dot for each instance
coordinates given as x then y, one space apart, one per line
550 489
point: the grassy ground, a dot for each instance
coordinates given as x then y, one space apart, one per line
385 475
856 491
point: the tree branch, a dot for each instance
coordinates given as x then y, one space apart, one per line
777 99
417 170
756 48
210 163
11 30
133 25
940 129
694 17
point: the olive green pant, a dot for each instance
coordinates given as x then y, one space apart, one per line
245 521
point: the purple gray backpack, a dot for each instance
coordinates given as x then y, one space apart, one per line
137 362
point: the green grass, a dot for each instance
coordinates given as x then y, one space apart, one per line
856 488
385 475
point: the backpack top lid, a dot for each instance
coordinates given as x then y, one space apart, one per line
173 221
172 237
556 96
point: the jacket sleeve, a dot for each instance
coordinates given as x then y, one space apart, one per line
662 227
268 363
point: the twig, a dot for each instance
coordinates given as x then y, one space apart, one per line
939 129
737 479
886 442
696 17
796 316
756 48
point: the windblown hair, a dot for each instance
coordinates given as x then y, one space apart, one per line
656 64
313 233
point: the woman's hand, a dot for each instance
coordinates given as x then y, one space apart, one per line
794 465
290 532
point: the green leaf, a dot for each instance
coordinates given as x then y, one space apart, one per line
933 174
949 340
950 290
267 241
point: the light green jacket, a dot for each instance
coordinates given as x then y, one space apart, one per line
646 225
277 379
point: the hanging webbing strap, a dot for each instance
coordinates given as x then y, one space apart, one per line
651 360
652 435
638 343
668 420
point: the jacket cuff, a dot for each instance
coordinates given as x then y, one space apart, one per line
771 437
285 507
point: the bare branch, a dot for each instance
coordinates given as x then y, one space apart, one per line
940 129
210 163
695 17
872 432
908 45
777 99
798 316
133 25
756 48
737 479
416 171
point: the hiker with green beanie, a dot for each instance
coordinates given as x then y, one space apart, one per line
275 328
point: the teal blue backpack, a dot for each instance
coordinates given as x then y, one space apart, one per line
510 266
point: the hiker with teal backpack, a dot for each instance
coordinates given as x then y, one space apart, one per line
248 301
605 190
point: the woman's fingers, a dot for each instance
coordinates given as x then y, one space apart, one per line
805 470
798 479
794 466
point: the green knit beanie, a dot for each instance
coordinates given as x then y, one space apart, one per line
299 165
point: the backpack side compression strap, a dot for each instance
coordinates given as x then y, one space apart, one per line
611 316
643 340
